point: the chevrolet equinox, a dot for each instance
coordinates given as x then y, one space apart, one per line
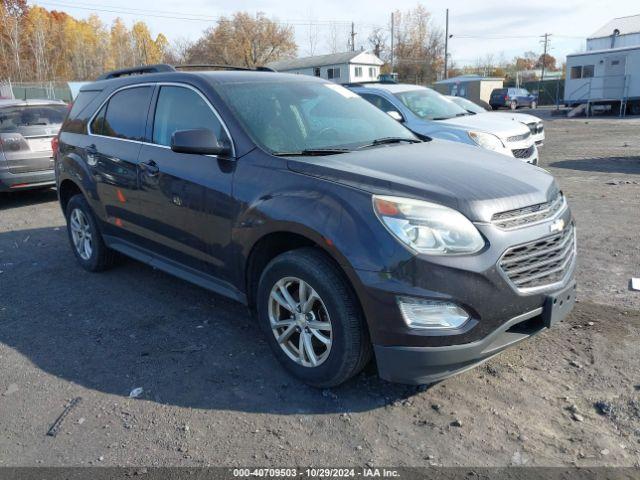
346 234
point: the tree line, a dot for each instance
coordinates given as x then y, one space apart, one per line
38 45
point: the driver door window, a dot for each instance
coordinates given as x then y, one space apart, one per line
180 108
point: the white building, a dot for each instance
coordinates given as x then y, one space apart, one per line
347 67
618 33
608 73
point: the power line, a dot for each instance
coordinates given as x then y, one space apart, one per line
198 17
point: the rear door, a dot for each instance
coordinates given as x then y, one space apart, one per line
186 199
26 132
116 134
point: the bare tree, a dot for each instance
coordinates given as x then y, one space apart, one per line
418 46
378 42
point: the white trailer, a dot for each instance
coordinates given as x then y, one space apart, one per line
604 77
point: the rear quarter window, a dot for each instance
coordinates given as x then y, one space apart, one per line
76 120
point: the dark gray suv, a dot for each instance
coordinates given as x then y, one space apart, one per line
345 233
27 128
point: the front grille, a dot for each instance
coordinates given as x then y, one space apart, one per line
524 152
541 263
519 138
526 216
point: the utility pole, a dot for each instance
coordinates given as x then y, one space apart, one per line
353 37
544 61
392 33
446 45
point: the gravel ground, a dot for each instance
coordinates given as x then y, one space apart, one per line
214 395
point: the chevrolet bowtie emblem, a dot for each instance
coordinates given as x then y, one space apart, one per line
557 226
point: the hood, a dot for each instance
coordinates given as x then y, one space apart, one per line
518 117
474 181
488 122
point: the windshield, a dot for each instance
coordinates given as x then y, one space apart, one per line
298 116
18 118
430 105
467 105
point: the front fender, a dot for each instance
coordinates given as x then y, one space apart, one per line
338 219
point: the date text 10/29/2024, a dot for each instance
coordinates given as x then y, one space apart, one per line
315 472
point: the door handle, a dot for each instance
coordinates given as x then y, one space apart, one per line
150 168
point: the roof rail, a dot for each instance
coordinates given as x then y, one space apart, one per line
222 67
369 82
163 67
140 70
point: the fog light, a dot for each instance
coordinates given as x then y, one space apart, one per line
431 314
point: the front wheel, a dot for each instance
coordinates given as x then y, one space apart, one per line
311 318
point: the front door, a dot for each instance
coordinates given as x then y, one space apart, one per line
187 204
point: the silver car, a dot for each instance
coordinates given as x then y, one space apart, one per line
426 112
535 125
27 128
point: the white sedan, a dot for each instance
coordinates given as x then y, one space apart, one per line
536 126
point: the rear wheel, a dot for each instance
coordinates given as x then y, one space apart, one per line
311 318
86 240
513 105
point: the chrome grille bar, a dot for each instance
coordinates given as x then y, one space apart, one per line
541 263
529 215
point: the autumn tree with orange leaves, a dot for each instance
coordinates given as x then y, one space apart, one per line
38 45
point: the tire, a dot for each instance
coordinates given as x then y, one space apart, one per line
513 105
98 256
534 105
349 349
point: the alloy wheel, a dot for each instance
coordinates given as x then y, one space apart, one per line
81 233
300 322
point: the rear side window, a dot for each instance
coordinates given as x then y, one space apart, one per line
125 115
180 108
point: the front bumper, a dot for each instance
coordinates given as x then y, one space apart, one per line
500 314
10 182
424 365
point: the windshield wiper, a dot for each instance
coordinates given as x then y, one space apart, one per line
310 152
387 140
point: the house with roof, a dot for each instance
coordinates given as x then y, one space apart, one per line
607 74
617 33
345 67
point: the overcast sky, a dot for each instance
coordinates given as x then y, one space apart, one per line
475 25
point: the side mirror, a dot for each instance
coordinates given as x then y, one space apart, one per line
396 115
200 141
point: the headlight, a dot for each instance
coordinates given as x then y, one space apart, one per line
486 140
427 227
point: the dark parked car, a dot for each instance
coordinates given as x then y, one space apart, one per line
27 128
343 231
512 98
